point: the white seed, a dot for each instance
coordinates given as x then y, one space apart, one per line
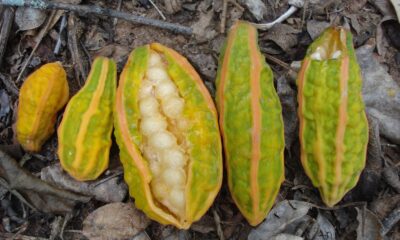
155 168
165 89
149 153
173 177
173 107
154 60
149 106
173 158
162 140
157 75
336 54
160 189
316 56
177 198
146 89
150 125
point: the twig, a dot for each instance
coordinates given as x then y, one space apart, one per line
62 27
224 10
9 84
218 223
119 9
108 178
91 9
223 15
294 6
4 183
40 38
8 19
79 61
390 221
158 10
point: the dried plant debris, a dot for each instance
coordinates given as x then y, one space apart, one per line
115 221
109 189
381 94
41 195
29 18
369 226
280 218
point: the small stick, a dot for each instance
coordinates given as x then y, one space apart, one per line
294 6
91 9
217 220
223 15
8 19
119 9
62 27
158 10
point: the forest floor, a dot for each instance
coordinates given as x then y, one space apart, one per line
33 209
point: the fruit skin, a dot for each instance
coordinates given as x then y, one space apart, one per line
42 95
333 123
204 170
251 124
84 135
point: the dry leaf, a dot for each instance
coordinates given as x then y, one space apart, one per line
29 18
281 216
112 190
115 221
381 94
396 5
369 226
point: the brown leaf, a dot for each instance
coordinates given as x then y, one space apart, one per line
285 36
43 196
115 221
111 190
29 18
369 226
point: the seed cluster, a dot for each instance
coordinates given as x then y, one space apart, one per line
162 126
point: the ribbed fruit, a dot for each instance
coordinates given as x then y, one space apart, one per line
84 135
42 95
168 135
333 123
250 118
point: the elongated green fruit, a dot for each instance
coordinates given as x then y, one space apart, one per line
167 130
333 123
84 135
251 123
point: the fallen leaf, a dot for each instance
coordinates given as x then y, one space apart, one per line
256 7
315 28
42 195
327 230
281 216
112 190
381 94
284 35
396 5
114 221
369 226
29 18
285 236
203 28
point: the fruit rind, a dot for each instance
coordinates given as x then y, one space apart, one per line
84 134
251 124
204 171
333 123
42 95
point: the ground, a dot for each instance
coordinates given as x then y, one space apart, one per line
370 211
